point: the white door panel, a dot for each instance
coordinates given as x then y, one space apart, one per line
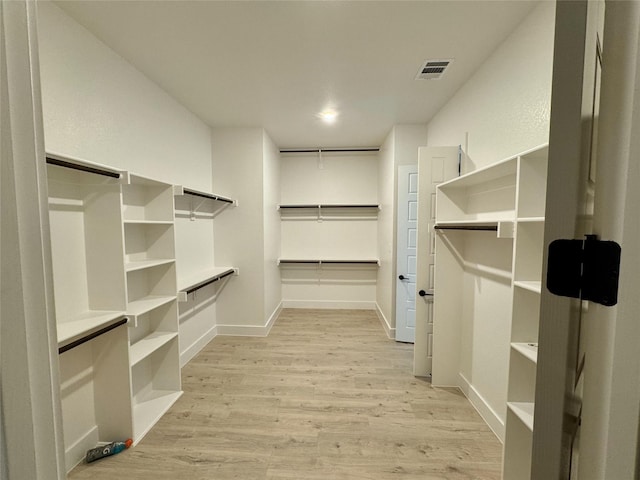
435 165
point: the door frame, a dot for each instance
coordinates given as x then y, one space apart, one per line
31 439
614 450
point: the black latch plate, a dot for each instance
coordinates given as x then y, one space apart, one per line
588 269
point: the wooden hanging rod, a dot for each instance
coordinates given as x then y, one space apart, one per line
82 168
330 150
93 335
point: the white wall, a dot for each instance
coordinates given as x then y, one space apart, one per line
271 198
385 292
333 178
99 108
239 234
504 107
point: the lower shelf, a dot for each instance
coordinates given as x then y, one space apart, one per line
148 410
328 262
524 411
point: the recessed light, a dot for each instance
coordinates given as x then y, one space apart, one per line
328 116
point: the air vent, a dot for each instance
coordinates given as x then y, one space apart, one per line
433 69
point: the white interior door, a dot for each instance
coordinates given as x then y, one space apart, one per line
435 165
406 253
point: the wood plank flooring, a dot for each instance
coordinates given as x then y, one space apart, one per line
326 396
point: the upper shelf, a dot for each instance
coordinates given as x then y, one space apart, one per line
179 190
329 211
84 166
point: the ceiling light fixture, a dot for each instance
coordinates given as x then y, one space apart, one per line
328 116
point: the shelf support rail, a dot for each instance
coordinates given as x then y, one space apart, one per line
93 335
487 228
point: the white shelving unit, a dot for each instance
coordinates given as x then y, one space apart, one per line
527 287
488 279
147 212
88 273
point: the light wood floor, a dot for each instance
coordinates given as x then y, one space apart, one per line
326 396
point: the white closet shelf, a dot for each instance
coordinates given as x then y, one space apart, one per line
147 222
84 324
149 344
180 190
324 205
528 350
142 264
201 279
81 165
530 219
148 303
524 411
504 168
328 261
148 410
532 286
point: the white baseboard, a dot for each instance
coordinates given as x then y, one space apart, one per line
487 413
329 304
251 330
390 331
192 350
75 453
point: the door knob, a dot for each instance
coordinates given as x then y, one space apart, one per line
402 277
422 293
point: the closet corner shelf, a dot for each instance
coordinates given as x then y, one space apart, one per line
179 190
524 411
146 304
529 285
142 264
149 344
147 222
528 350
202 279
86 324
319 262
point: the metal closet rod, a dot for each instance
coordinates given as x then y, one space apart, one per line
489 228
208 282
330 150
93 335
82 168
206 195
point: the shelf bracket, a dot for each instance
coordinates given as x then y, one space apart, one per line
588 269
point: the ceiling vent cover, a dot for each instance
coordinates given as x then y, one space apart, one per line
433 69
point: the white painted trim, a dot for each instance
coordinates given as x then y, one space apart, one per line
488 414
391 332
74 454
251 330
192 350
329 304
